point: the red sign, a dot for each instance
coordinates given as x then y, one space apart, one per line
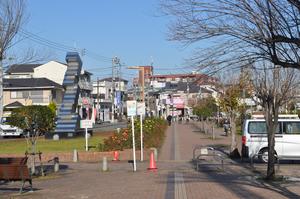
85 101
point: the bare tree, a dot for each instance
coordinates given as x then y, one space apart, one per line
242 31
273 88
237 31
11 20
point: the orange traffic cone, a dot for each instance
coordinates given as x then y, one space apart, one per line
152 162
116 156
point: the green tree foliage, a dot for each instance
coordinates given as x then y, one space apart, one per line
42 116
205 108
53 107
230 103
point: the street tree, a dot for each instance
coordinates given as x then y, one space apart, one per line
205 108
11 21
273 88
237 32
34 120
229 103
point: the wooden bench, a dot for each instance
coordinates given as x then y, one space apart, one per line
15 169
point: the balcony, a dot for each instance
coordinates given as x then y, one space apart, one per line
84 85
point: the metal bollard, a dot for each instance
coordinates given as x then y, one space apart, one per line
75 155
56 164
104 164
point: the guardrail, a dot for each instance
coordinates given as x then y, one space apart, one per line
206 152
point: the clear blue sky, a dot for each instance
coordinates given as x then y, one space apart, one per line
131 30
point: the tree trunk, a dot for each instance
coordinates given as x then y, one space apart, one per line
233 134
33 151
271 125
234 153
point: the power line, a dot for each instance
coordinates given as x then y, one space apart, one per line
63 47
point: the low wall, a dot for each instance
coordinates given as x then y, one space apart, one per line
88 156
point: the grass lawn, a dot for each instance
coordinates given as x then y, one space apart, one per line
19 146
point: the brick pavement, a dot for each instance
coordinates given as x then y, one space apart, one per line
175 178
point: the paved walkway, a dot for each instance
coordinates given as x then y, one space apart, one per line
176 177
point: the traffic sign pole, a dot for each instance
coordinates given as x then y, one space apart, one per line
86 140
142 152
86 124
133 143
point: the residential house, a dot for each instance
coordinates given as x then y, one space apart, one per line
39 84
30 91
103 94
176 94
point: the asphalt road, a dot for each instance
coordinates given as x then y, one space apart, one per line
109 126
104 127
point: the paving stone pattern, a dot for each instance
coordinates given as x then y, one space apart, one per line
176 177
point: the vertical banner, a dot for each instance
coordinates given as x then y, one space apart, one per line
118 98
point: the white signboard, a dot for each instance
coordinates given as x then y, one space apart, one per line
106 115
140 106
86 124
131 108
203 151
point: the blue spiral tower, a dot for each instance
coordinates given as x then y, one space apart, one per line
67 118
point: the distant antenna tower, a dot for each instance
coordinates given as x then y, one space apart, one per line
152 61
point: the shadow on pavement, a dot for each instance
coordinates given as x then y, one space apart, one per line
230 177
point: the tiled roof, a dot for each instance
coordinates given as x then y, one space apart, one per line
109 79
14 105
22 68
29 83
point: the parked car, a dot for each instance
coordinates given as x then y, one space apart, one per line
8 130
287 139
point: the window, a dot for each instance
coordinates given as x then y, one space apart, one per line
37 96
25 94
13 94
19 94
291 127
259 128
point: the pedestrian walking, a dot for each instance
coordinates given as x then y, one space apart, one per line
169 118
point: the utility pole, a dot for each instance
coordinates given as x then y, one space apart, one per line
142 69
120 107
98 108
143 84
115 63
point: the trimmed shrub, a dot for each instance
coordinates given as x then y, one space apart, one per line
153 132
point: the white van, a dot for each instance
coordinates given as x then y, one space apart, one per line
8 130
287 139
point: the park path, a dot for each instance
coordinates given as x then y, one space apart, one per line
175 178
235 182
